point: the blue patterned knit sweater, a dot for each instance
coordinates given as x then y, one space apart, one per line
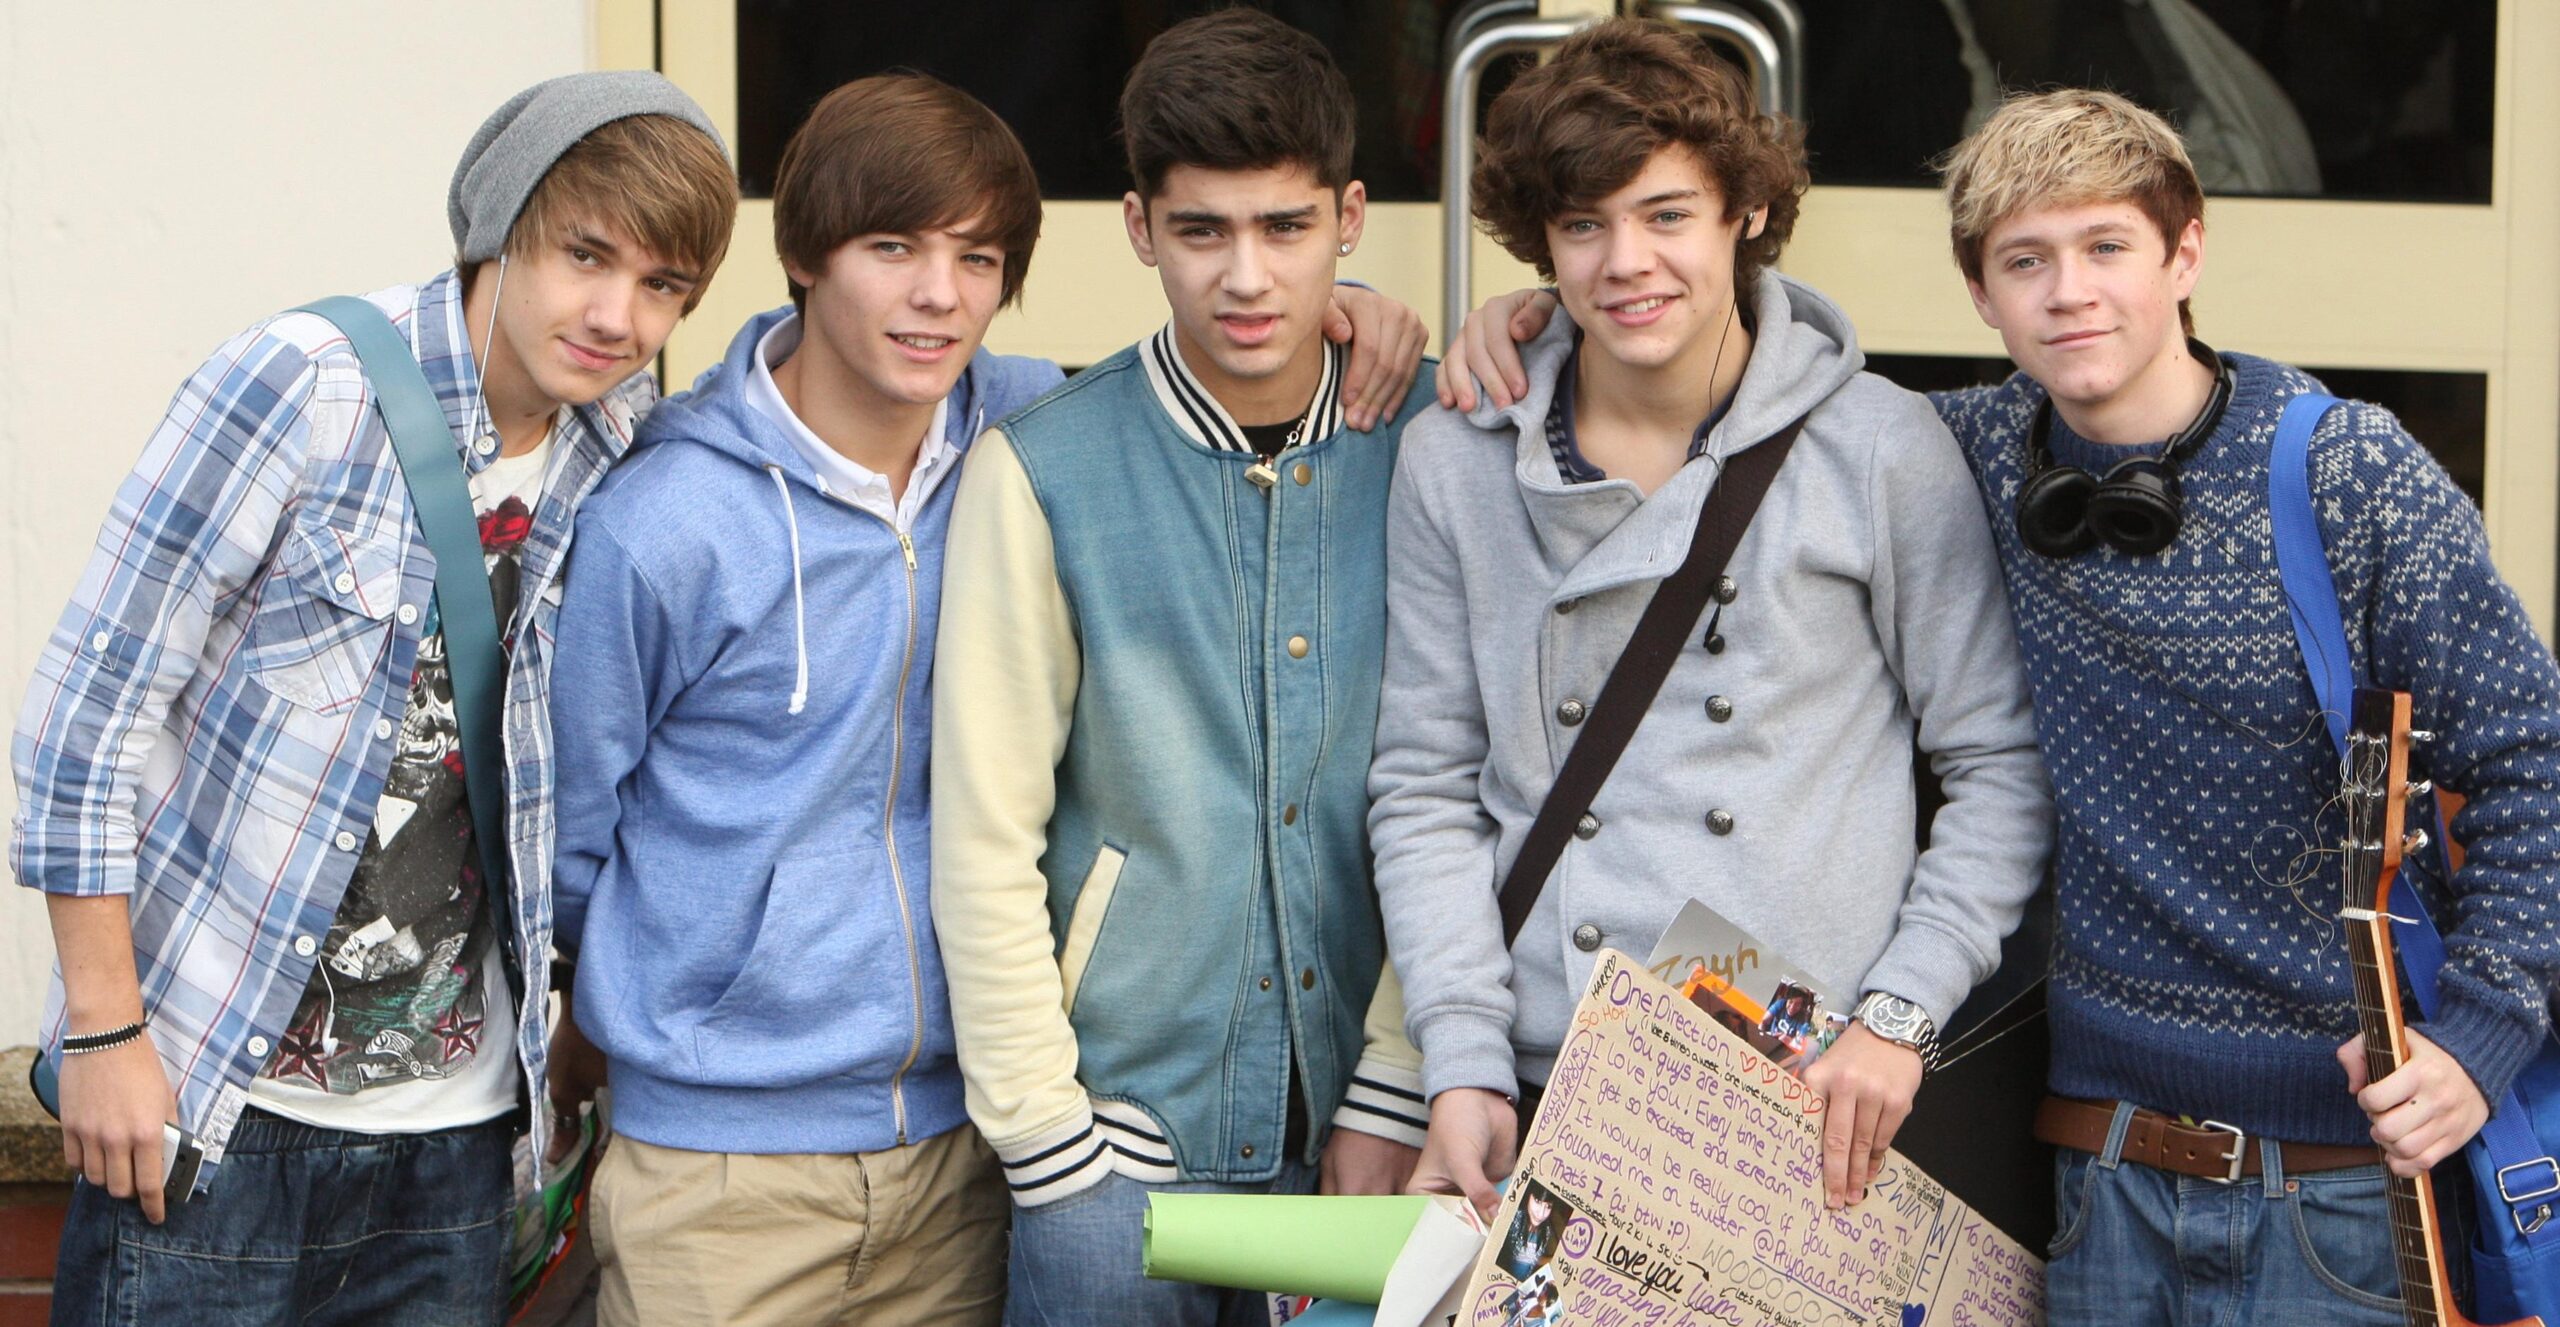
2199 967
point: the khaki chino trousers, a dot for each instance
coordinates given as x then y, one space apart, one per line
911 1234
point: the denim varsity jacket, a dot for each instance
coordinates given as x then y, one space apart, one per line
1156 689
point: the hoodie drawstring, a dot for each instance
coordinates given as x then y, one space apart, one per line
799 607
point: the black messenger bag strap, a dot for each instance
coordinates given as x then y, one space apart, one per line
1637 677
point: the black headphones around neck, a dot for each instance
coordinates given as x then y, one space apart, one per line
2064 511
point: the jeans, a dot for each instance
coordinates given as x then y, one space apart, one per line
305 1225
1078 1262
2138 1245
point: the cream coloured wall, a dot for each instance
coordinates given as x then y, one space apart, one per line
170 173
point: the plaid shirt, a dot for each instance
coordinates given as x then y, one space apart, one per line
211 721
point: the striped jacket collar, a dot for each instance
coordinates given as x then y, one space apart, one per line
1204 421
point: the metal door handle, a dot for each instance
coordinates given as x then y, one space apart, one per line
1475 45
1770 35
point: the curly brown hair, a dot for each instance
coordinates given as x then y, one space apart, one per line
1577 128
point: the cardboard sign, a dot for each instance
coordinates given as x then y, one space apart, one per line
1674 1175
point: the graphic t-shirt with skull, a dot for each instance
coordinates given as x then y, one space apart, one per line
409 989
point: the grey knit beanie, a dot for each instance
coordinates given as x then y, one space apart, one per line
515 147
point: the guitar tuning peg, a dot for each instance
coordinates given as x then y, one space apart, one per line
2415 842
2422 787
2422 735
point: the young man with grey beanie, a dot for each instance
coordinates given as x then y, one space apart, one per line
239 772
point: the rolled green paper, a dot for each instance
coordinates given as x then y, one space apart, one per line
1288 1244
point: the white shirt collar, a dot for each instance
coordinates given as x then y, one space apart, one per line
840 476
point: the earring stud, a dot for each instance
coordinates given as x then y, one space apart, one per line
1343 248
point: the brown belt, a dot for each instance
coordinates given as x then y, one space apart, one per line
2209 1151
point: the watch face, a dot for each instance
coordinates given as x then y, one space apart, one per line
1895 1019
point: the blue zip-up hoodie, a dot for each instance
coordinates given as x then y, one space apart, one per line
742 726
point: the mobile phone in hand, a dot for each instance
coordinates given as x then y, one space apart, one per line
181 1158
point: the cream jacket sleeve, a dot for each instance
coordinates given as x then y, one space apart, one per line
1004 688
1386 1087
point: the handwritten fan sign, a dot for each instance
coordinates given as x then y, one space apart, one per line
1674 1175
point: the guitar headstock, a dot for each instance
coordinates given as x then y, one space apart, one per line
2376 792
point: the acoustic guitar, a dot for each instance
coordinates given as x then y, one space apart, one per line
2376 797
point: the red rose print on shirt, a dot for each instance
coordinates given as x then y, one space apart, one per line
505 526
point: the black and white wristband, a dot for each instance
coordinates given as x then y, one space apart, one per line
102 1041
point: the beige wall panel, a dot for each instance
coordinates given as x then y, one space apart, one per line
2524 399
625 35
1882 253
698 48
166 181
749 282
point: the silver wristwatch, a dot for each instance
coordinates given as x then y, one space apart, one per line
1901 1022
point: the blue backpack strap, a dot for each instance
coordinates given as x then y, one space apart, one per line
2302 559
441 496
2522 1163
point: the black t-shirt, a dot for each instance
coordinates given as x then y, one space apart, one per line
1270 440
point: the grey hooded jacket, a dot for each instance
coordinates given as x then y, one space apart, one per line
1868 609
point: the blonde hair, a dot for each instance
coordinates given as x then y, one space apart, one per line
2063 148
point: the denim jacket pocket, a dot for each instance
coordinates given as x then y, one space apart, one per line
324 617
1084 925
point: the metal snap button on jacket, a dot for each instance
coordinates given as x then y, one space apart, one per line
1719 708
1570 713
1719 822
1586 827
1586 937
1568 605
1726 589
1297 647
1715 644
